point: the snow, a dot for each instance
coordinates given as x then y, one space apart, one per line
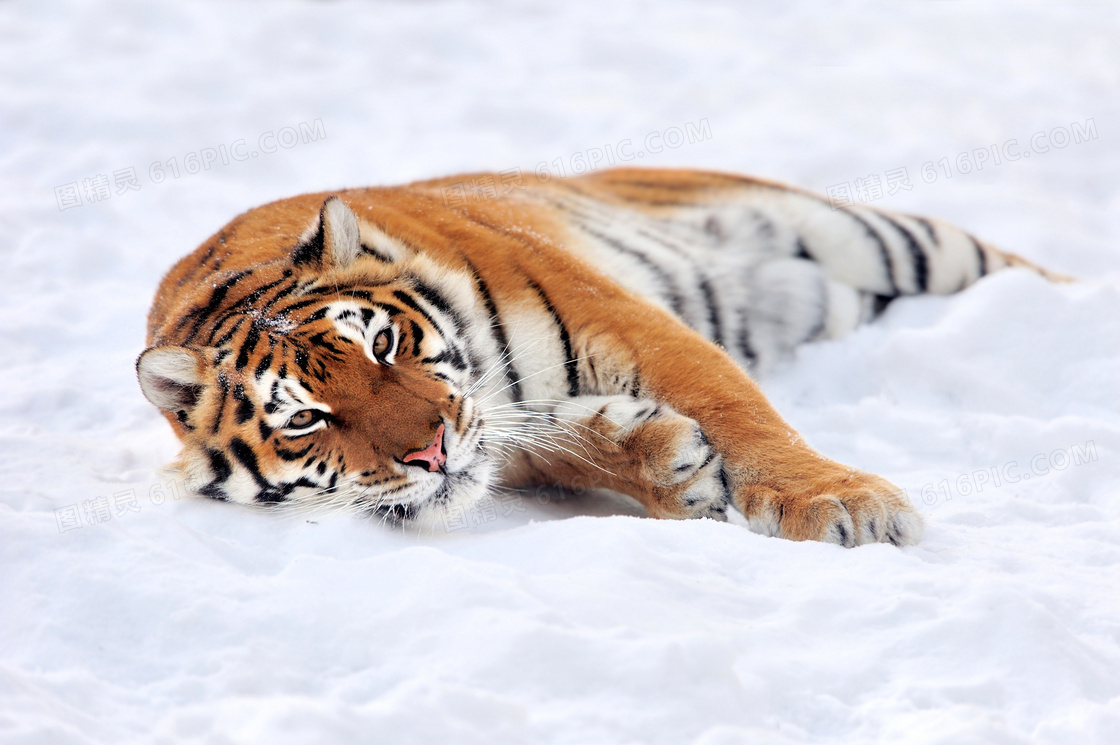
549 619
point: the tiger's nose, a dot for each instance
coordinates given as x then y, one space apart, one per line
432 456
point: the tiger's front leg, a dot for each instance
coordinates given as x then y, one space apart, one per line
636 446
780 484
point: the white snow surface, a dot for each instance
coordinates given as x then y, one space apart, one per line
568 620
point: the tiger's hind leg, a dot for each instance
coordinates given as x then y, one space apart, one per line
786 302
636 446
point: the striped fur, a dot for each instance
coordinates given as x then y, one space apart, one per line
379 351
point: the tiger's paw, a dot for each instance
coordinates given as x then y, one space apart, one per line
848 510
669 453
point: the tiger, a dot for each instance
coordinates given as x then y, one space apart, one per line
404 352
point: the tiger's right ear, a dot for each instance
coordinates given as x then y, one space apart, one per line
171 377
336 239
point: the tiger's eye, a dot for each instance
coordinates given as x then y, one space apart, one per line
382 343
302 419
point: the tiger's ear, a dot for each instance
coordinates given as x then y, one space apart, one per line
171 377
335 241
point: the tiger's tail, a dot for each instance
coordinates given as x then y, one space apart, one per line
997 259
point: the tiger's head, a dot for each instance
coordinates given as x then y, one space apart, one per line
339 377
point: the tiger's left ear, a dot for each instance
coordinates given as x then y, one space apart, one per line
335 241
171 377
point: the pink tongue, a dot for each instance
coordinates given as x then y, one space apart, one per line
432 455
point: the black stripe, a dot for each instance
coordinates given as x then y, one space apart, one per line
704 283
405 298
888 264
928 227
316 316
227 335
248 346
656 202
246 457
311 252
672 292
219 464
457 356
301 304
713 310
391 310
262 366
803 250
884 252
917 254
223 386
199 315
245 408
290 455
744 339
879 303
323 290
417 337
280 295
498 328
181 416
570 364
251 299
674 247
281 491
439 302
658 185
319 341
725 486
370 250
346 288
217 326
981 257
449 355
302 359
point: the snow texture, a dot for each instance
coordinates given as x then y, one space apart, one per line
151 619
